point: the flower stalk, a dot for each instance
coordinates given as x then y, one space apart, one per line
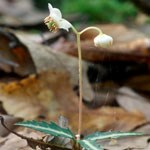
80 84
54 22
78 35
91 28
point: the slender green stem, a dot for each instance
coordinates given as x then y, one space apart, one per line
91 28
80 84
78 34
74 30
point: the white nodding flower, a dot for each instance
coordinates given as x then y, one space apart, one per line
55 21
103 40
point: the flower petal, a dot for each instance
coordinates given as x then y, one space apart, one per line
64 24
56 16
50 7
55 12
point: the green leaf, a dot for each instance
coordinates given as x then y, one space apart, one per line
48 128
107 135
89 145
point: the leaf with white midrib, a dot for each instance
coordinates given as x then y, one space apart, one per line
89 145
110 135
48 128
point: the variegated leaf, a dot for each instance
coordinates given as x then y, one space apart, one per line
48 128
110 135
89 145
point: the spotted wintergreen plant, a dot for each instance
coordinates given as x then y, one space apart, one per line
62 138
55 22
89 142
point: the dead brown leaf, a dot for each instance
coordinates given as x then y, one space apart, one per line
13 142
130 100
19 13
133 143
48 94
46 58
14 55
139 82
145 128
129 45
108 118
9 121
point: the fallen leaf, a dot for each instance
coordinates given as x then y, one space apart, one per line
50 94
36 96
46 58
120 33
12 141
9 121
106 119
130 100
129 45
145 128
139 82
20 13
127 143
14 56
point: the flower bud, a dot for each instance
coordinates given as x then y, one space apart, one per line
103 40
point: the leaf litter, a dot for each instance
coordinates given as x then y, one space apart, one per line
50 92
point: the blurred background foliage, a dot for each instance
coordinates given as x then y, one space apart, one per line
102 10
105 11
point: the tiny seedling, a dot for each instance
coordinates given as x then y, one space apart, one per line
59 134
